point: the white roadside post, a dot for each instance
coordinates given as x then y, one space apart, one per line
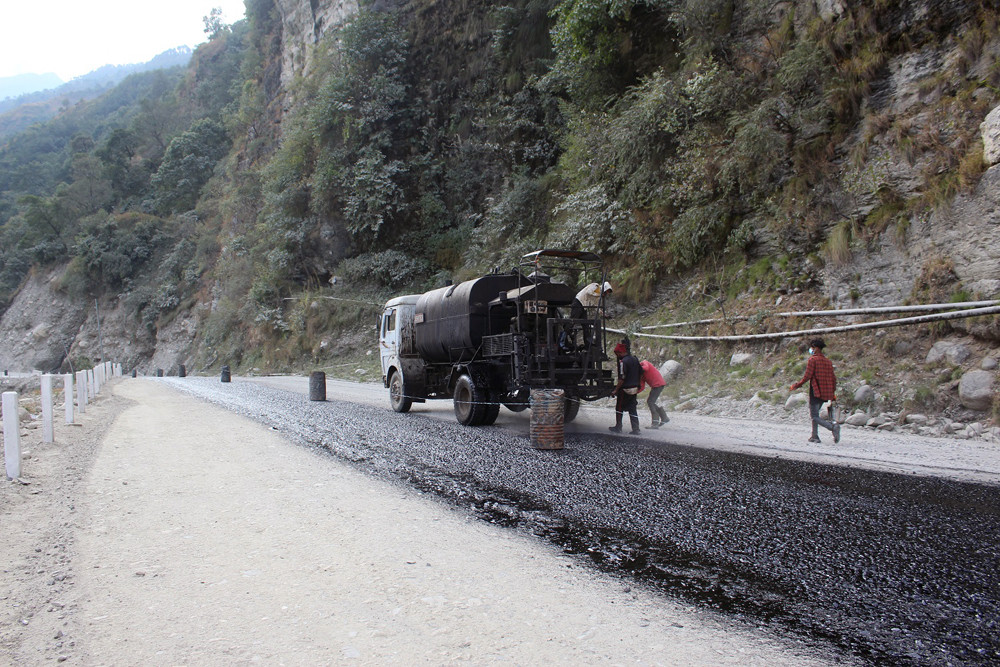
68 395
11 435
97 379
81 391
91 387
48 434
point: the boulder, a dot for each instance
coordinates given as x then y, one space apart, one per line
670 369
877 421
917 419
740 358
864 394
990 129
796 400
951 351
859 418
902 348
988 364
975 390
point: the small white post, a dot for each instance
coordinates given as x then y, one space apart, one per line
48 434
68 395
91 386
97 379
11 435
81 391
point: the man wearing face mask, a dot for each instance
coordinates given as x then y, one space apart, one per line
822 388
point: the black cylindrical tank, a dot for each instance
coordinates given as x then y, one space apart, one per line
450 322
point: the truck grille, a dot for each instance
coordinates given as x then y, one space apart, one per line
498 346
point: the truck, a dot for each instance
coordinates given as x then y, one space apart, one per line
490 341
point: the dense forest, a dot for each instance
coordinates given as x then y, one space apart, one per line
425 142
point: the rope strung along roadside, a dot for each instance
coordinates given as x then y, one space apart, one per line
902 321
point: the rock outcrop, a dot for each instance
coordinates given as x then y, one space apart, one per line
302 26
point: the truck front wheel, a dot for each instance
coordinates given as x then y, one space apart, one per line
400 401
470 402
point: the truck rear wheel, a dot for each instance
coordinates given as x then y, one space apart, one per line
470 402
399 401
572 409
491 413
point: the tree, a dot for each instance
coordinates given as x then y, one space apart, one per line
213 23
187 165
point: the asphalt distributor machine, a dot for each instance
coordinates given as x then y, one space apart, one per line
490 341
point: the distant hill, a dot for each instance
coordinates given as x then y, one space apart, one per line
18 113
24 84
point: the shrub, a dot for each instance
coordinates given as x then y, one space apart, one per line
390 268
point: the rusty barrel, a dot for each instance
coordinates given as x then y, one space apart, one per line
548 409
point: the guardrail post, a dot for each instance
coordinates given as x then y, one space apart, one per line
68 396
48 433
11 434
81 391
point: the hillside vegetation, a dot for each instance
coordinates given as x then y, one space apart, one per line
717 153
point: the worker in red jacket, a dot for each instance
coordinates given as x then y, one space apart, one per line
652 377
822 388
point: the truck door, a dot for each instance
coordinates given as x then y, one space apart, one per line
388 339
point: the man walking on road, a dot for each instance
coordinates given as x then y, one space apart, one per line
822 388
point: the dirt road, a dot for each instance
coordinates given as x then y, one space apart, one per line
166 531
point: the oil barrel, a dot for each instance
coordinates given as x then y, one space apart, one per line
547 418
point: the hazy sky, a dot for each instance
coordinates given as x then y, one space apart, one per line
73 37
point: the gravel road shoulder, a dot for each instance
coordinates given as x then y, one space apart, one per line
165 530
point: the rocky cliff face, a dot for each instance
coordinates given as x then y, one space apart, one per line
44 327
960 234
302 25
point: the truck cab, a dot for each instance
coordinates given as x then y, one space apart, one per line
396 344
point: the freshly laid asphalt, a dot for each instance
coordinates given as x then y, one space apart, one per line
889 564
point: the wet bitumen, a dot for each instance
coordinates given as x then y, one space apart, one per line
887 568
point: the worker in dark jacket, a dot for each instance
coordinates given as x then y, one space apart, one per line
822 388
629 376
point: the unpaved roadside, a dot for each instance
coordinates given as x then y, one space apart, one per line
169 531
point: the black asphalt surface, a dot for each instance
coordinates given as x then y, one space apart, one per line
886 568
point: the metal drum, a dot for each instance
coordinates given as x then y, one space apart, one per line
547 418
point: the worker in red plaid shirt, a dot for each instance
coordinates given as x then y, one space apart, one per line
822 388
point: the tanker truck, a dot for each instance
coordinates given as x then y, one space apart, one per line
490 341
